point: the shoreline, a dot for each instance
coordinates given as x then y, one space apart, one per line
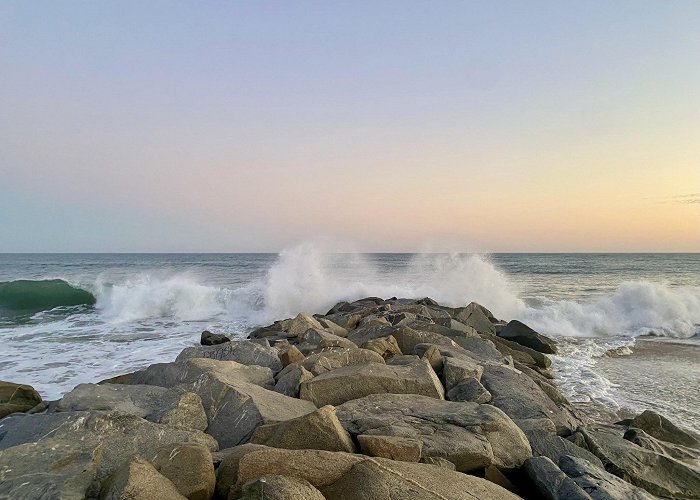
366 395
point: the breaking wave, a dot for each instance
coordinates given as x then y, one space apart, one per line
32 296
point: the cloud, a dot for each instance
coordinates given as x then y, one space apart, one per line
683 199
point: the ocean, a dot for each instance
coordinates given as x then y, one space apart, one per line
67 319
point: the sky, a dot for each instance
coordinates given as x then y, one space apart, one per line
499 126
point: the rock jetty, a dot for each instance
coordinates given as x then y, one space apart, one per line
376 399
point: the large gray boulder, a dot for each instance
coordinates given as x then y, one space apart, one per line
659 474
470 390
69 454
524 401
343 476
290 379
337 358
319 430
599 484
689 456
175 407
524 335
469 435
352 382
477 317
244 352
455 370
17 398
520 353
386 347
550 482
234 402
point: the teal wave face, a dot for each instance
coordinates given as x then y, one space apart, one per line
28 296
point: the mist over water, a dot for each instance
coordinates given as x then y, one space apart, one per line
148 307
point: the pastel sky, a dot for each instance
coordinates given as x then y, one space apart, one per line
510 126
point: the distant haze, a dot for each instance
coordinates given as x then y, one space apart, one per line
399 126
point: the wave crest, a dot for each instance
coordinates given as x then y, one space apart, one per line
31 296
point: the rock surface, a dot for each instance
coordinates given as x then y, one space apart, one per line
189 467
244 352
17 398
353 382
138 480
469 435
524 335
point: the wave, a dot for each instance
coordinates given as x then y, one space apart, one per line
312 278
31 296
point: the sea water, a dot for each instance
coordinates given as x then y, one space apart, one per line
67 319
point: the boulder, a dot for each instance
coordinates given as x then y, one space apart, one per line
386 347
276 487
554 447
550 482
348 321
16 398
71 453
482 350
469 435
405 359
391 447
433 357
598 484
475 316
406 338
689 456
290 354
356 381
245 352
314 340
662 428
300 324
332 359
175 407
438 462
234 402
520 353
290 379
455 370
189 467
138 480
332 327
524 335
659 474
343 476
209 338
318 430
455 326
470 390
523 400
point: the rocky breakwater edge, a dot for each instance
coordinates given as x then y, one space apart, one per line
377 399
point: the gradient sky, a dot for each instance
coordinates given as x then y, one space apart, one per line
249 126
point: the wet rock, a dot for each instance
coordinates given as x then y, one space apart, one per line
524 335
554 447
689 456
209 338
520 353
352 382
469 435
318 430
175 407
